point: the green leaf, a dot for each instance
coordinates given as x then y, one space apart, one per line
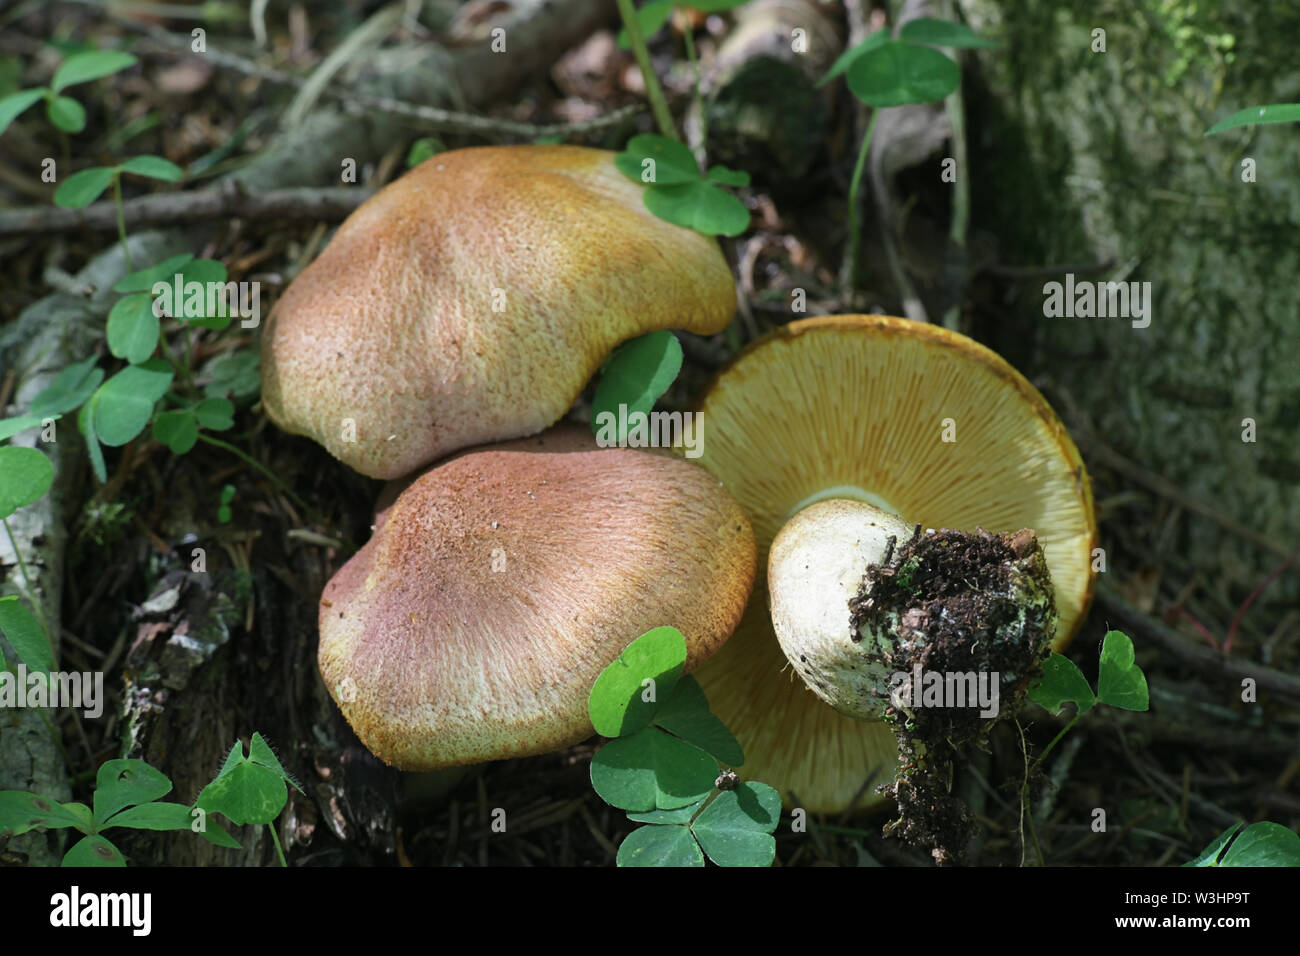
224 514
736 828
651 770
1210 855
206 273
91 65
1264 844
249 793
93 851
236 374
143 280
215 833
21 628
649 18
942 33
124 404
1062 681
699 206
686 714
176 429
422 149
9 427
215 414
260 753
21 811
233 759
848 57
245 791
133 328
1120 682
125 783
83 188
896 74
636 374
70 389
680 815
171 816
151 816
1252 116
621 702
13 105
660 846
154 167
673 161
25 476
677 193
66 113
723 176
86 425
85 819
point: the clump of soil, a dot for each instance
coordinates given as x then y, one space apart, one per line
964 622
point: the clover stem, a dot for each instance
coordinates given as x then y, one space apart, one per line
121 220
849 279
689 36
266 472
275 838
655 93
1057 739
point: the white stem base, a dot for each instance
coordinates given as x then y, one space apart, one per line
817 564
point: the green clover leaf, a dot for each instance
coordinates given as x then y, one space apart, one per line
1062 681
897 74
675 190
635 375
652 770
1120 682
660 846
629 691
89 65
736 828
25 476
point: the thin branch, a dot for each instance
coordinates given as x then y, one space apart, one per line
328 204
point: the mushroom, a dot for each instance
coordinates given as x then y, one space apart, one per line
838 435
471 300
499 584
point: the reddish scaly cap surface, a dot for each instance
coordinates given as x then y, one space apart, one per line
473 624
472 299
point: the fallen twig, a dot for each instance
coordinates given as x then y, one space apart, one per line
161 209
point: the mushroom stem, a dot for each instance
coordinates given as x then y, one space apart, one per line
863 604
929 632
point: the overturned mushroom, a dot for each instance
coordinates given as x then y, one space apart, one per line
496 588
471 300
848 431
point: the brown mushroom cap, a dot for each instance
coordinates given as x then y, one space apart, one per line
854 406
499 585
472 299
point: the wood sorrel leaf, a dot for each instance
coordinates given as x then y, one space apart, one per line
629 692
1120 682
